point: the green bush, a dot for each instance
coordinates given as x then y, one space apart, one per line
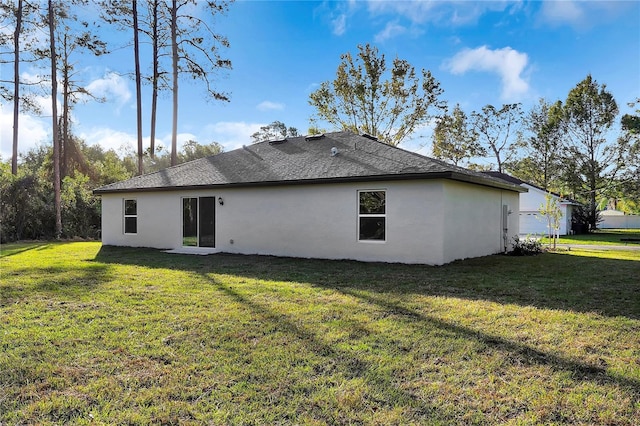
26 208
80 208
526 247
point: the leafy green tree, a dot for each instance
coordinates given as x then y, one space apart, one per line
631 122
192 150
453 140
26 205
497 131
592 161
367 97
541 144
81 209
275 130
551 211
629 182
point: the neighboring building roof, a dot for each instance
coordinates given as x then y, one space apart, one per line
511 179
328 158
506 177
612 213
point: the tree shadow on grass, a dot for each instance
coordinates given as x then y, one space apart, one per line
609 287
354 366
383 392
58 281
549 281
19 248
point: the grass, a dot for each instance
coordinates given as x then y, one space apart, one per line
601 237
103 335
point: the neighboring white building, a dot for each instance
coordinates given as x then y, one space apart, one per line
617 219
531 221
333 196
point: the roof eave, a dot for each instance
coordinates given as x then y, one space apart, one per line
494 183
346 179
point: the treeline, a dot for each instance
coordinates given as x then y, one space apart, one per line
52 37
581 148
27 198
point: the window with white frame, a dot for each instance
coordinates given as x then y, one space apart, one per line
372 216
130 216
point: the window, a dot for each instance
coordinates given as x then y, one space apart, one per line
130 216
372 216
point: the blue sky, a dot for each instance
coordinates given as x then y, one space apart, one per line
481 53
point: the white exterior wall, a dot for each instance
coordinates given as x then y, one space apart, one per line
532 222
159 223
474 225
619 221
321 221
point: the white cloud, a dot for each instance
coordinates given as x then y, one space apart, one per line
339 24
109 138
270 106
336 14
112 87
231 135
181 138
582 15
416 11
392 29
508 63
35 78
443 12
558 12
124 143
32 131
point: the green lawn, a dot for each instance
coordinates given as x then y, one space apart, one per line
103 335
602 237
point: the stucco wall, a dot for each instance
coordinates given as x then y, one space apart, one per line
158 220
321 221
473 225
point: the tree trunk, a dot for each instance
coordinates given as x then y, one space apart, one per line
136 53
16 87
54 122
592 198
154 81
174 56
64 134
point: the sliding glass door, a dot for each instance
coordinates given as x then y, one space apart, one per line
198 222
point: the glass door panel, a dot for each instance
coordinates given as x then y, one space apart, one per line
190 222
207 237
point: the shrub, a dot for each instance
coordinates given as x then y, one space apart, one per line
525 247
582 218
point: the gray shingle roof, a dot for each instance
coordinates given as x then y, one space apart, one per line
303 160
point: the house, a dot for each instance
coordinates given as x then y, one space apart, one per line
531 221
332 196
